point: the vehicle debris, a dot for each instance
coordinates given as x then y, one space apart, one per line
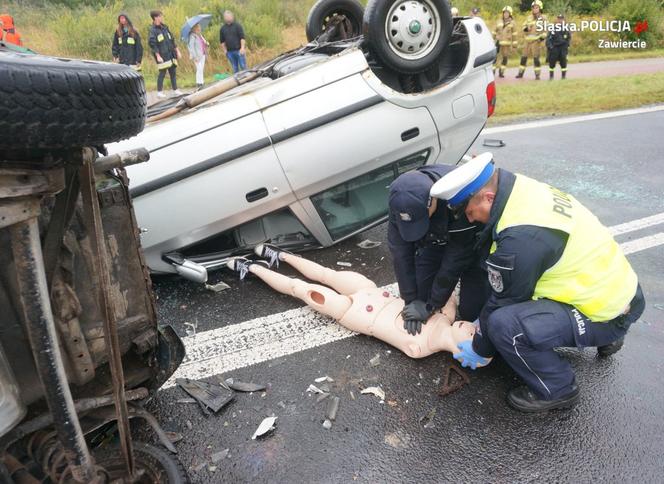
174 437
325 387
218 287
427 420
344 264
332 408
314 389
369 244
327 425
322 397
321 379
266 426
185 400
449 386
207 395
190 328
377 391
398 439
493 143
241 386
219 456
375 361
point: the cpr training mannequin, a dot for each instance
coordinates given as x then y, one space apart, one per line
357 304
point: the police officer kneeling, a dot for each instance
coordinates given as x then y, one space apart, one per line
558 279
431 250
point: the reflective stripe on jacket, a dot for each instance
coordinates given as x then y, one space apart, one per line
592 274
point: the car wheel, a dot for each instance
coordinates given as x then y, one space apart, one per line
48 103
323 13
407 36
156 466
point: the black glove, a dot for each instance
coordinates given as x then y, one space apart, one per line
416 310
413 326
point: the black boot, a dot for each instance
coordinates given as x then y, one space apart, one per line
524 400
608 350
550 75
564 73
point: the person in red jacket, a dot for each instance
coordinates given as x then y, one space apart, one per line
8 33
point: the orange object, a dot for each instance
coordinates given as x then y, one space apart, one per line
9 35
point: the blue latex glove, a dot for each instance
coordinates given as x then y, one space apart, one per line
468 357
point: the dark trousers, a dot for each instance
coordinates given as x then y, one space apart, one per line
557 54
475 289
162 73
526 334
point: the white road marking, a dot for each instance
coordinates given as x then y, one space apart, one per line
571 119
637 224
643 243
236 346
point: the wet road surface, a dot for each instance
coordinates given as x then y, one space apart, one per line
616 433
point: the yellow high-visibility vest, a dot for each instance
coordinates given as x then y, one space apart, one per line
593 274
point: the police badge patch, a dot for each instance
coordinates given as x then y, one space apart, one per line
495 279
405 217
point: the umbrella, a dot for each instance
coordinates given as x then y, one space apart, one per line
201 18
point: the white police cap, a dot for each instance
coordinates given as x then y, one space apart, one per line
465 181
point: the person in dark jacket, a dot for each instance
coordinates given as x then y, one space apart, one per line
231 38
166 53
431 250
557 44
127 48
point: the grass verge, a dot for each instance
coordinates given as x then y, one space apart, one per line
616 55
576 96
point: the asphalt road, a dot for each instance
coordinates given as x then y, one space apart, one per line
616 433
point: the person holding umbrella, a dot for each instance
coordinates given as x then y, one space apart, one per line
198 46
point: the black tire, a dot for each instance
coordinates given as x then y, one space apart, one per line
436 12
323 10
51 103
159 466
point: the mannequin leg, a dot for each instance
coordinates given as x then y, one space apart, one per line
344 282
322 299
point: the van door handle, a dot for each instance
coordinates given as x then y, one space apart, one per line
256 194
410 134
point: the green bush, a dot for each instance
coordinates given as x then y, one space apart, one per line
639 11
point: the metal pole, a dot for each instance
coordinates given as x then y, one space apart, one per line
35 307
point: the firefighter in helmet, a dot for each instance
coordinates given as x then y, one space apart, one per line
533 39
505 35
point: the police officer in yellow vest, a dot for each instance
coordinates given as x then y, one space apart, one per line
533 39
558 279
505 35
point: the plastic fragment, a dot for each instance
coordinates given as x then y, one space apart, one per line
219 456
314 389
327 425
321 379
332 408
322 397
375 361
344 264
368 244
267 425
218 287
241 386
377 391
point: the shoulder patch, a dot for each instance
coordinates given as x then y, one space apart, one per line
495 279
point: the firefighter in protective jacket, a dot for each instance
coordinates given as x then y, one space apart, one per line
533 39
505 35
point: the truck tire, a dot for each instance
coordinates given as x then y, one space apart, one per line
407 36
48 103
324 10
159 467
